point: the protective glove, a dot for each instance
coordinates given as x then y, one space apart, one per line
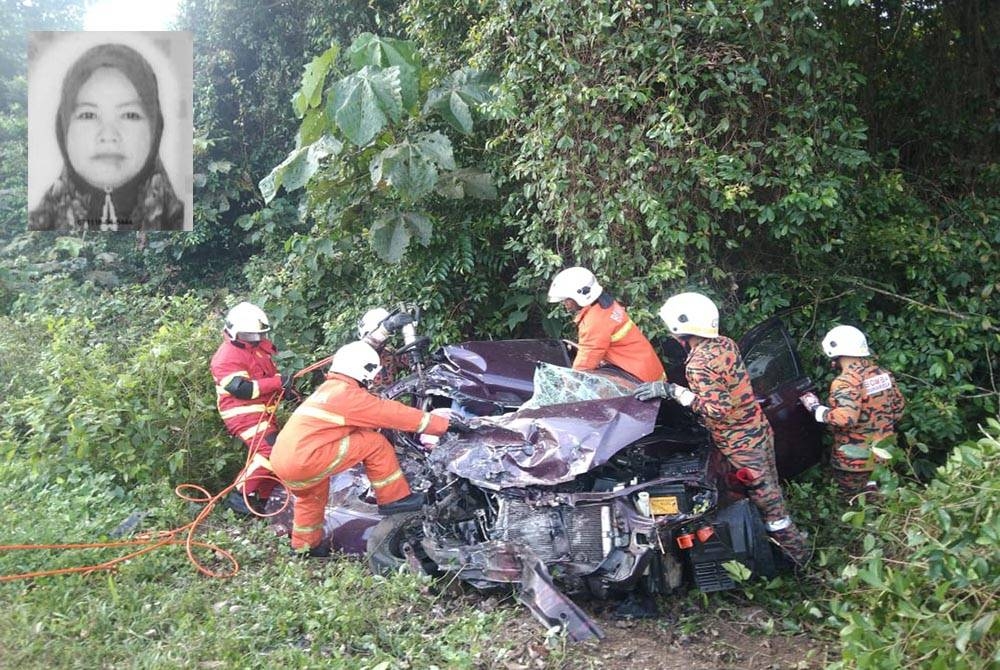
814 406
288 391
675 392
681 394
809 401
396 321
457 424
651 390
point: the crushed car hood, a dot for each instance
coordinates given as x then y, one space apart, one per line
546 445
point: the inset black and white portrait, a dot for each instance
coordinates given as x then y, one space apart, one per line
109 131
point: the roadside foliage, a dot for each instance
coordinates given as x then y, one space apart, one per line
825 162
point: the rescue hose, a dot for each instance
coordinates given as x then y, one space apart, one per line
156 539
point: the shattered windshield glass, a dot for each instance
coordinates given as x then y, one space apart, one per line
556 385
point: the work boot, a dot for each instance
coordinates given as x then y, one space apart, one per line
794 544
321 551
411 503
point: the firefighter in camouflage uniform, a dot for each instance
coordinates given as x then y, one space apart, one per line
720 392
863 409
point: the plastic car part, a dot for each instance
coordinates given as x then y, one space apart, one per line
549 605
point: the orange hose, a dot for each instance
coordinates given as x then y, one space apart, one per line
156 539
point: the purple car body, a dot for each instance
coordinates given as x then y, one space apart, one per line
532 493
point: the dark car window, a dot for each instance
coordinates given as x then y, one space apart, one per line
770 358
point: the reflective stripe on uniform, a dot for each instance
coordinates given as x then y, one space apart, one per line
622 332
251 432
244 409
321 414
306 529
256 463
780 524
381 483
220 388
305 483
424 422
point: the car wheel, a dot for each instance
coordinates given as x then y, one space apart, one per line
390 539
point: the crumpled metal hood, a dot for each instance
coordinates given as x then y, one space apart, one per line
547 445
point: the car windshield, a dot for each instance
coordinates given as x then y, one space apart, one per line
556 385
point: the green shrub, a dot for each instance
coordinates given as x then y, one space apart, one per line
117 381
924 591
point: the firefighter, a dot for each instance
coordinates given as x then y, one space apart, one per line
606 334
863 408
720 392
336 428
247 386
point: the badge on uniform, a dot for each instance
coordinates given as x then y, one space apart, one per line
877 384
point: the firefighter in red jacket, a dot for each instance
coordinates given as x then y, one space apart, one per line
605 333
336 428
720 392
863 408
247 386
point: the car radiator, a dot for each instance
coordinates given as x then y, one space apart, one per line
553 533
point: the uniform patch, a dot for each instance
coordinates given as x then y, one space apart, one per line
877 384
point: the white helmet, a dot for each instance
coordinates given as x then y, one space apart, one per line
845 341
371 320
246 322
577 283
691 314
357 360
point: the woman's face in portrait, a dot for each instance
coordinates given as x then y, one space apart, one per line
109 135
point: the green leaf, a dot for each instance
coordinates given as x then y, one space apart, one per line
391 234
412 168
467 182
458 95
311 92
300 165
737 571
436 147
312 128
368 49
362 103
854 451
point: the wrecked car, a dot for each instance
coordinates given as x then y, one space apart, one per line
568 486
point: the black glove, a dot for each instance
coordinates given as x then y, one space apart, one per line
288 388
396 321
457 424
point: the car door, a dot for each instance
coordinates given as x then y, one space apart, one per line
778 380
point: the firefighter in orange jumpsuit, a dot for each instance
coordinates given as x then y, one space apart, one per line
247 386
605 333
336 428
863 408
720 392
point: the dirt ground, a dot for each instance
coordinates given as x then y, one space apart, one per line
679 639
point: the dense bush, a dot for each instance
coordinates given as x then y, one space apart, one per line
923 592
117 381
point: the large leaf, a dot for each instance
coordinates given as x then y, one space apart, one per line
411 167
362 103
458 94
300 165
467 182
310 94
391 234
369 49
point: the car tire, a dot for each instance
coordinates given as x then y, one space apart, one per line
385 552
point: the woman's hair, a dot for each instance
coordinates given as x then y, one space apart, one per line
130 63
